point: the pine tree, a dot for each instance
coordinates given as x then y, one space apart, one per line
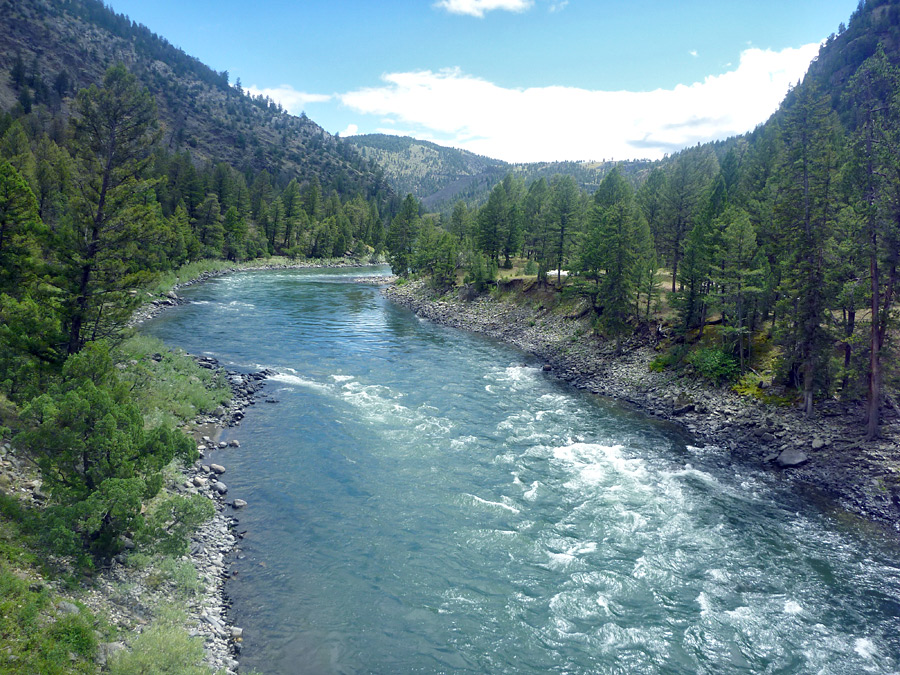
805 213
114 133
402 235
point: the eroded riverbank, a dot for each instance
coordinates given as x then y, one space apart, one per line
826 455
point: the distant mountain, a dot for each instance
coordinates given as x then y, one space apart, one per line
52 48
440 176
434 174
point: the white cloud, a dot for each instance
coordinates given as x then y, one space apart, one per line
351 130
292 100
479 7
693 53
558 6
567 123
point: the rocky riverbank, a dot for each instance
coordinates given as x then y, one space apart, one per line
127 594
825 456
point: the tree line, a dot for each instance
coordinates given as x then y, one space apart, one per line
789 235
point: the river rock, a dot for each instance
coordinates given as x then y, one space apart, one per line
217 468
792 457
220 487
234 444
239 503
818 443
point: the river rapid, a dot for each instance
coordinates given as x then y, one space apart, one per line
423 500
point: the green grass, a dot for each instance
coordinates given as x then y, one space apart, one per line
34 636
171 391
163 648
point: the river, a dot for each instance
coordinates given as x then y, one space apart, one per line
423 500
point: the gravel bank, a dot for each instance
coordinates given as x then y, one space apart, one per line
825 456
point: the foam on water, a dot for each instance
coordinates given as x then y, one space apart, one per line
487 502
298 381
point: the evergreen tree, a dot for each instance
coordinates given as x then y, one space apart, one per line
872 94
114 133
402 235
564 222
805 213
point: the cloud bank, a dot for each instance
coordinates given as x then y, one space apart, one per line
567 123
479 7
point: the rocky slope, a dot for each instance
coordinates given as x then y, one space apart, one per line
826 456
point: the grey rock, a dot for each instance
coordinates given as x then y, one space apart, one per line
217 468
105 650
792 457
234 444
65 607
818 443
237 632
220 487
239 503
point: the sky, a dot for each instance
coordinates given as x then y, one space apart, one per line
517 80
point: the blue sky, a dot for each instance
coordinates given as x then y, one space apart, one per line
521 80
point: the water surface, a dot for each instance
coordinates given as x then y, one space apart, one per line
422 500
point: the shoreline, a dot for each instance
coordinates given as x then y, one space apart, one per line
826 456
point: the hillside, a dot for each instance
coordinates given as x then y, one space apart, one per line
51 49
439 176
434 174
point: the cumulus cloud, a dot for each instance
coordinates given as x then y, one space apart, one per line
292 100
567 123
351 130
479 7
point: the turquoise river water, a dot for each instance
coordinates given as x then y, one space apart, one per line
422 500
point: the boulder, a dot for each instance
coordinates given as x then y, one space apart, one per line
791 457
818 443
217 468
220 487
239 503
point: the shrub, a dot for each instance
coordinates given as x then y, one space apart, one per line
163 649
714 364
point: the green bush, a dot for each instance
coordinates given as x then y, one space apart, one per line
163 649
35 638
714 364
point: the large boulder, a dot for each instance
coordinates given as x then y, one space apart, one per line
791 457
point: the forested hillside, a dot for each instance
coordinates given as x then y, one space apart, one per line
439 176
52 49
773 256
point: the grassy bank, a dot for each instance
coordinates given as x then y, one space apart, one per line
65 615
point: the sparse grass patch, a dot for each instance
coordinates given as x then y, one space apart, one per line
163 648
35 637
174 389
